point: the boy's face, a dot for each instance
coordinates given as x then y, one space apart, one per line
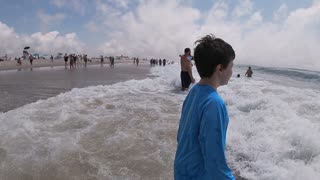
226 73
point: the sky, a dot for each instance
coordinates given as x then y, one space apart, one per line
273 33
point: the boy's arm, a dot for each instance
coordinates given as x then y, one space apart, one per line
212 142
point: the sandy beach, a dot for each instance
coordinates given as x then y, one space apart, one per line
12 64
20 85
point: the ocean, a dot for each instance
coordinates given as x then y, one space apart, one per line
127 130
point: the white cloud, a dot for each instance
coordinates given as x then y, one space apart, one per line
149 31
164 28
254 20
219 11
44 43
303 17
245 7
281 13
9 40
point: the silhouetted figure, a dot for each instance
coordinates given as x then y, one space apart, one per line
249 72
65 60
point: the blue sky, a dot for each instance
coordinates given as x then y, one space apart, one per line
134 26
22 15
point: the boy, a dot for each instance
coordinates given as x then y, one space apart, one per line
202 130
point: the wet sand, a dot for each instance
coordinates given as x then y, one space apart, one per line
26 85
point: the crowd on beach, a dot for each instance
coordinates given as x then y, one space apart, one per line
73 60
154 62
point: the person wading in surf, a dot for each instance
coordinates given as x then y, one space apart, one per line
186 70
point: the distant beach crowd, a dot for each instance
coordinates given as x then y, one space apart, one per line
73 60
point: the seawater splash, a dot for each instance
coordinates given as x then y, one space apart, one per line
128 131
274 131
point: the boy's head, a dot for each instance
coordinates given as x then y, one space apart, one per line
210 53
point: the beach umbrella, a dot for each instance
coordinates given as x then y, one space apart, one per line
27 47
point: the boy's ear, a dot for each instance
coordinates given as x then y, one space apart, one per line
219 67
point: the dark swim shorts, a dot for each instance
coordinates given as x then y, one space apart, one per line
185 79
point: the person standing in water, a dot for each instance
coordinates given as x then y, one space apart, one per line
65 60
201 139
111 58
71 60
101 60
85 59
249 72
164 62
186 70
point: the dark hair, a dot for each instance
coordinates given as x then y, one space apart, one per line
209 53
186 50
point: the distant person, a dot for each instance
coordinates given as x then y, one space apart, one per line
111 61
71 61
74 61
31 59
249 72
137 61
186 70
164 61
19 61
238 75
51 58
201 139
85 59
160 62
65 60
101 60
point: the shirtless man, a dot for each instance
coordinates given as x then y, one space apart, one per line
186 70
249 72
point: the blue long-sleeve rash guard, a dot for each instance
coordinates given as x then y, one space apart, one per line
202 137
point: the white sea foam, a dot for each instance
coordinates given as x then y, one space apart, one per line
128 131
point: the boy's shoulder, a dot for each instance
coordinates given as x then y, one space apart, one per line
207 94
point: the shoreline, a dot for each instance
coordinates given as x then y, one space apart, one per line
19 88
38 63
